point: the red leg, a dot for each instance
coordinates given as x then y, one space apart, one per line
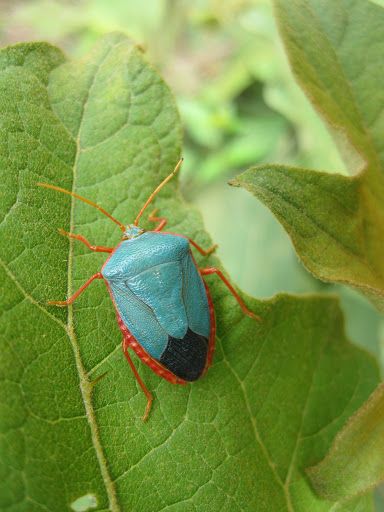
96 248
139 380
204 252
76 294
162 221
212 270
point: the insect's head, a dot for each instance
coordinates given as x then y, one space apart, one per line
132 231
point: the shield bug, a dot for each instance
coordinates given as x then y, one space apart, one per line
163 306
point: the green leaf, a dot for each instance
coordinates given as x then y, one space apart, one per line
354 463
336 224
239 439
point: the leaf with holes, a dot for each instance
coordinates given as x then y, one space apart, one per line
239 439
336 223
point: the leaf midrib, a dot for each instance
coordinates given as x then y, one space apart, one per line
86 386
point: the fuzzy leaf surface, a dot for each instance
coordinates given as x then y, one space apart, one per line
278 392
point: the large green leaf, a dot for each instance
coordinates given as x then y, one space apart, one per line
336 224
240 439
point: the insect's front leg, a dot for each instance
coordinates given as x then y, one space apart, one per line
147 393
246 311
95 248
162 221
77 293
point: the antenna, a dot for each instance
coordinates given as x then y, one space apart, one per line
157 190
59 189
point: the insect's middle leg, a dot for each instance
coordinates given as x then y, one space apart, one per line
96 248
162 221
213 270
147 393
204 252
73 297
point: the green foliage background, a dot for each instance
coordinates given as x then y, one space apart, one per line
239 107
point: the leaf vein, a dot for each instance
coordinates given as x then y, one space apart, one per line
29 297
86 386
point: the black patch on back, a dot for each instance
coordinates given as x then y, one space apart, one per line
186 357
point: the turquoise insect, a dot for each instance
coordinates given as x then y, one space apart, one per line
163 306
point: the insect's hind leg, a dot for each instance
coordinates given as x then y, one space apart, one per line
147 393
246 311
95 248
